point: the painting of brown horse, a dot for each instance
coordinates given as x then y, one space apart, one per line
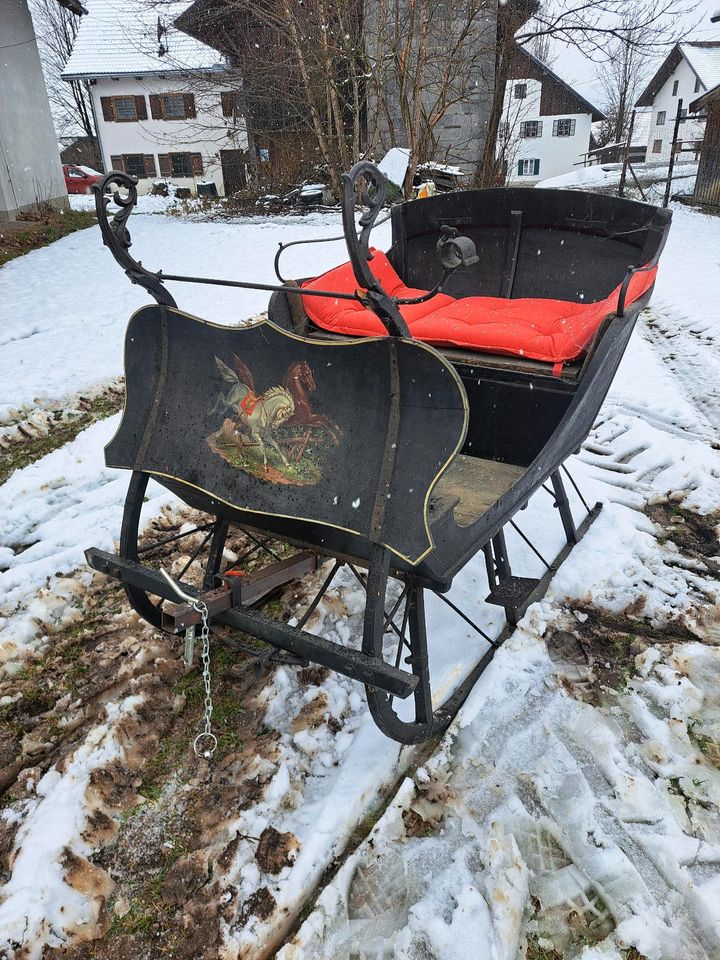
300 384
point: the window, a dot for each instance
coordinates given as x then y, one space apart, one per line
698 85
231 105
528 168
657 146
683 115
504 130
675 87
172 106
660 122
181 164
125 109
74 172
564 128
531 128
134 164
520 91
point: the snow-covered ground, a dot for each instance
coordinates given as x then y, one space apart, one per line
65 307
584 822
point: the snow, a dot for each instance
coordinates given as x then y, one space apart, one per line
704 58
607 175
76 288
120 37
534 794
394 165
50 512
37 903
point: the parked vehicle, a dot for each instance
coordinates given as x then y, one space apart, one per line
79 179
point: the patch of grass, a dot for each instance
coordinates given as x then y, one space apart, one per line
22 454
138 919
536 952
43 228
708 746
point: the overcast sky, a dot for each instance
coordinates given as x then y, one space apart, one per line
581 72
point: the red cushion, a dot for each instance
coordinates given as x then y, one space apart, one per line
539 329
350 316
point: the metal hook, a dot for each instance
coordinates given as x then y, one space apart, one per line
178 590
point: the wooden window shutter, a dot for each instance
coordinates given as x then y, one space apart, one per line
189 100
165 164
117 163
156 110
107 108
149 162
140 108
227 101
197 164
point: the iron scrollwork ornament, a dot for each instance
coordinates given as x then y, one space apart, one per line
116 235
372 197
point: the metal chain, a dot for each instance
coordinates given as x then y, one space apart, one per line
198 605
207 735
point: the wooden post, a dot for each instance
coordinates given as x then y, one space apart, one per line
626 156
672 153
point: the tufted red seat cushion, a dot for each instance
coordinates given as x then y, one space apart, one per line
552 330
348 316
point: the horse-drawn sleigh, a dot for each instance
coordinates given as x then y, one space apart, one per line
393 415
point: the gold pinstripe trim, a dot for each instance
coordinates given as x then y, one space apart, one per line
320 343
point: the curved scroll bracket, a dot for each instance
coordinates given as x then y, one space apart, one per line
116 235
372 197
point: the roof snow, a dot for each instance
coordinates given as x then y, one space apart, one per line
126 36
704 58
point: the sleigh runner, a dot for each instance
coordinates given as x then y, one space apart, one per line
395 458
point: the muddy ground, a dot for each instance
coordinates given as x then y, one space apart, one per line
156 876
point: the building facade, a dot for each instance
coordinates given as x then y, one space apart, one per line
546 125
458 93
689 70
30 171
165 105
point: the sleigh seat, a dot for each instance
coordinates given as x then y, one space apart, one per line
554 331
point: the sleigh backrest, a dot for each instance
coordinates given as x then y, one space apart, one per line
547 244
351 435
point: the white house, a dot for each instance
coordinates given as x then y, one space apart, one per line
687 72
165 104
546 123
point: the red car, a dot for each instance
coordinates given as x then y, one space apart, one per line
79 179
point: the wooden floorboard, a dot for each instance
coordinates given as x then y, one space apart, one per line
470 486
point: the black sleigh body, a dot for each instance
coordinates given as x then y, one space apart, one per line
400 458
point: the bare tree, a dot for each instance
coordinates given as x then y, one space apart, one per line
591 26
541 46
56 27
429 63
622 77
354 76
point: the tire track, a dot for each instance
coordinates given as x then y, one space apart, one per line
691 351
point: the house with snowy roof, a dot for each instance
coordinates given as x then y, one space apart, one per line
165 105
689 70
546 125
